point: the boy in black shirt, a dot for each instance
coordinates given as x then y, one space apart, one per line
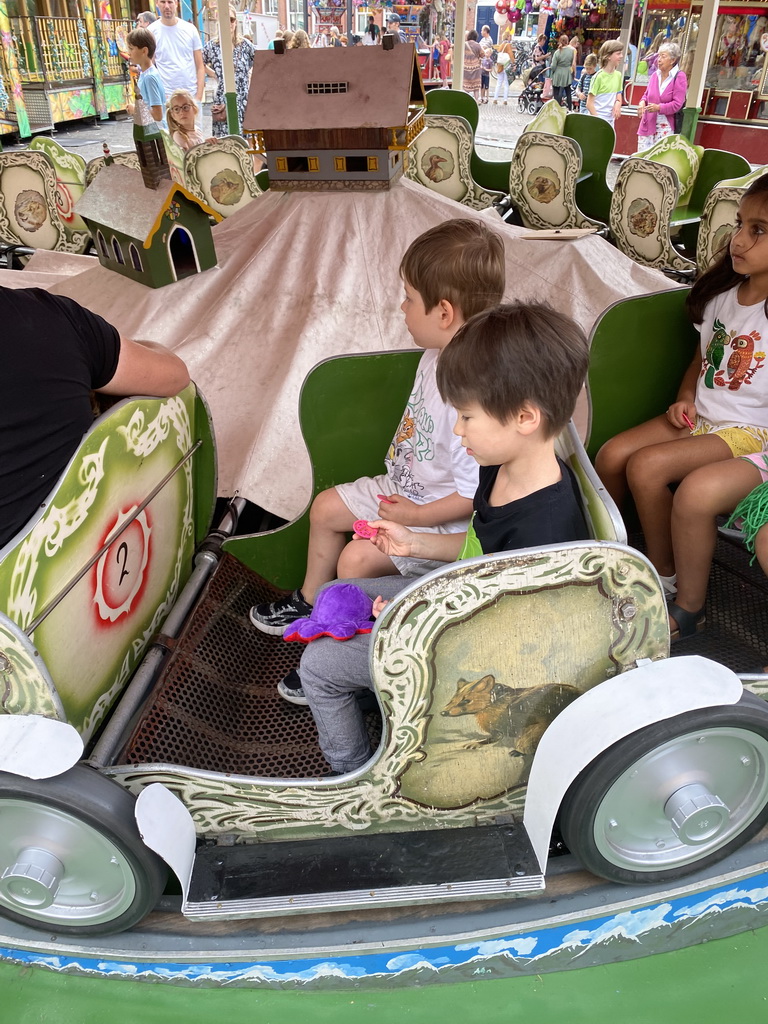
513 374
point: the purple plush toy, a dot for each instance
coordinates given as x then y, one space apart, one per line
340 612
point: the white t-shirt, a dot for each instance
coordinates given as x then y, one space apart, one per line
732 390
174 56
425 460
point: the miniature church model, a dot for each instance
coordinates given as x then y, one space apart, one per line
145 225
336 117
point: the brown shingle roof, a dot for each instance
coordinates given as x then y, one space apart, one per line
379 88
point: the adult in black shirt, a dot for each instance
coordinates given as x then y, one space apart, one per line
54 353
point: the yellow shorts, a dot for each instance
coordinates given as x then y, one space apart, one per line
741 440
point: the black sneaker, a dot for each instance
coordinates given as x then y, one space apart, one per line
273 618
290 689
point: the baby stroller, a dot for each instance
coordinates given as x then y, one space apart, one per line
530 101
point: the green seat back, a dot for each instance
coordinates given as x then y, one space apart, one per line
716 164
453 101
439 159
349 409
746 179
596 139
550 119
682 156
640 349
492 175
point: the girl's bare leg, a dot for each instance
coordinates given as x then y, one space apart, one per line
650 471
612 459
330 523
704 494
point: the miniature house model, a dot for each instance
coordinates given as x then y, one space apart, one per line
336 117
145 225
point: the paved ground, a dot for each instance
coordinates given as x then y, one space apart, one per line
497 133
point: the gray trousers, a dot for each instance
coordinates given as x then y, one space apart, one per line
331 671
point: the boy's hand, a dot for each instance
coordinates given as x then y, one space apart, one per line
392 538
378 606
398 509
677 413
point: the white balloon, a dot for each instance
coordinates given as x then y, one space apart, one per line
500 19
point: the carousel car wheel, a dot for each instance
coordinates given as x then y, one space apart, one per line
71 857
674 797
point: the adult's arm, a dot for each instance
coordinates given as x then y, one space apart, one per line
144 368
200 74
679 91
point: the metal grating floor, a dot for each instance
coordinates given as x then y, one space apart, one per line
217 707
736 631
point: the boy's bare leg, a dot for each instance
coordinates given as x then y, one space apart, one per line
361 560
611 461
330 522
704 494
650 471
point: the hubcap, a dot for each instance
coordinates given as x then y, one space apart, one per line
34 879
59 869
684 799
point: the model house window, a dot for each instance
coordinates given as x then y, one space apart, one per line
102 244
324 88
133 252
117 251
357 164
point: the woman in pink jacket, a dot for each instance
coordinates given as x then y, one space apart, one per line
663 98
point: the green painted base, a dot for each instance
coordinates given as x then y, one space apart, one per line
690 121
711 983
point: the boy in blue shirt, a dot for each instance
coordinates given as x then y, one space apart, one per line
513 374
150 103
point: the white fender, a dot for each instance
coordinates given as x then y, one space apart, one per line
37 747
653 692
166 826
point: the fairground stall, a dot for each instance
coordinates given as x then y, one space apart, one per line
724 48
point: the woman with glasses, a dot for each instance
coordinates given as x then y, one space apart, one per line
242 57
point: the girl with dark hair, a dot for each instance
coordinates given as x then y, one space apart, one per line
711 439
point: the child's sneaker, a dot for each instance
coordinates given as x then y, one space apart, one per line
290 689
274 617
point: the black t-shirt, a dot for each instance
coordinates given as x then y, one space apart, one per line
551 515
54 352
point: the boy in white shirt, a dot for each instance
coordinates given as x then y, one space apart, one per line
449 273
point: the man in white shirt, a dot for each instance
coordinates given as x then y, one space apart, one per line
179 53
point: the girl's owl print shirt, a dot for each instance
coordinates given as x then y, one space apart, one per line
733 385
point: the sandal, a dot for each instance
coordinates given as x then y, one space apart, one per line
688 623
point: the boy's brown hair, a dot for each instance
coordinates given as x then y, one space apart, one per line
590 61
516 354
609 47
461 261
142 38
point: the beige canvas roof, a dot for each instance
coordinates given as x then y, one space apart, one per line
378 81
302 276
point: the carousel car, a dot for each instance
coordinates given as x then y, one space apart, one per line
525 706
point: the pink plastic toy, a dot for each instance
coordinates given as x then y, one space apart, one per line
383 497
362 529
